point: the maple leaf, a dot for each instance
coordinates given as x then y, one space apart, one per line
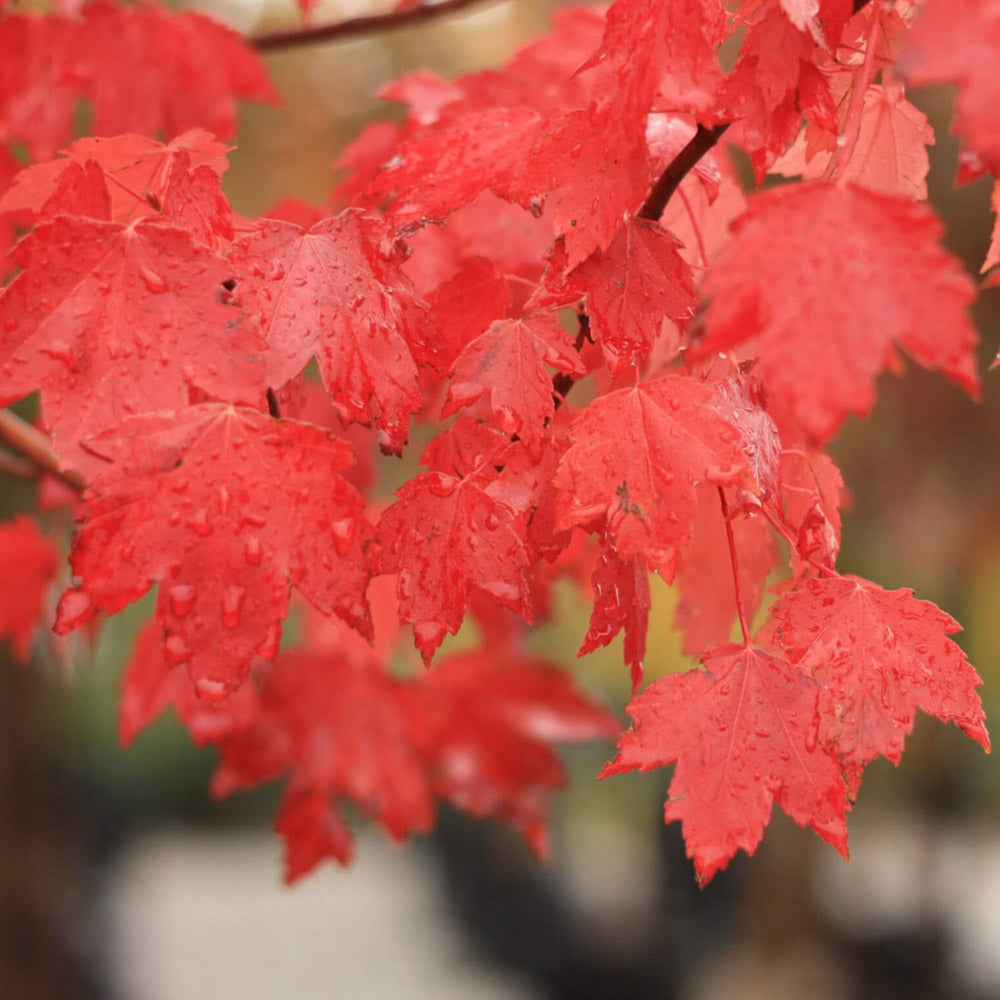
138 172
590 171
707 607
445 535
820 349
111 320
336 291
452 163
337 724
742 732
879 656
633 462
889 155
507 364
135 66
462 307
774 85
621 601
631 288
28 565
152 683
956 41
667 49
812 493
492 756
225 509
36 101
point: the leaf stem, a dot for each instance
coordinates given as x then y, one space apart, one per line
737 586
848 139
33 445
355 26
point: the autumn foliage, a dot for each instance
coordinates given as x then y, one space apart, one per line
627 354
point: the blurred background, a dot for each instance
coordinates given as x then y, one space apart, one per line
121 879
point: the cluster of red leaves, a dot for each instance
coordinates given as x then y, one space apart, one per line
556 221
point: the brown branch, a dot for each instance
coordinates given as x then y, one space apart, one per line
687 159
33 445
562 382
682 164
14 465
273 406
368 25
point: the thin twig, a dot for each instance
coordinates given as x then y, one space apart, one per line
368 25
33 445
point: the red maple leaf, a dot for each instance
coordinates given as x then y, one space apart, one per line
447 534
819 348
879 656
506 364
225 509
135 66
621 601
707 607
336 291
956 41
36 100
337 724
633 462
111 319
742 732
138 172
492 756
890 153
28 564
636 291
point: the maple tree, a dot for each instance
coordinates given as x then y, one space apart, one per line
630 357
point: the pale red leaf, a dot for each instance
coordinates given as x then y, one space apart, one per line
28 565
854 274
956 41
707 608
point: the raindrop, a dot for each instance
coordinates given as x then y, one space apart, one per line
253 551
181 599
232 605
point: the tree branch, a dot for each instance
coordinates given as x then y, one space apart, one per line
678 168
368 25
33 445
687 159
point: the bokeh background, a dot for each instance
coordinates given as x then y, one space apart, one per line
120 878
